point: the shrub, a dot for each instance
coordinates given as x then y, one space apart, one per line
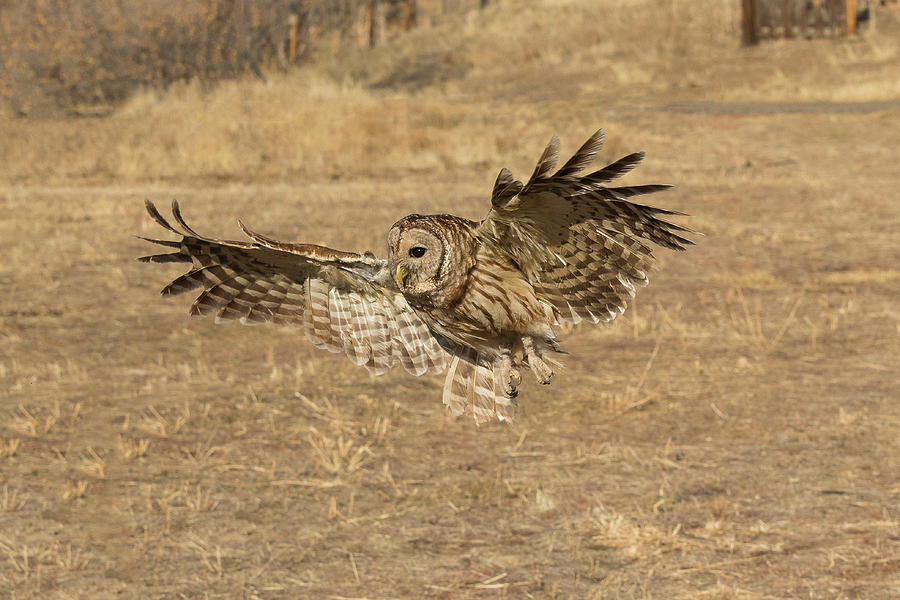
85 56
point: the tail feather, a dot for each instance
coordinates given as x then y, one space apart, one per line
504 406
481 391
455 385
473 386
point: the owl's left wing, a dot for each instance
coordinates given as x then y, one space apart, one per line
343 301
582 244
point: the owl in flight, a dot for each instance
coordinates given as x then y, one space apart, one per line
478 300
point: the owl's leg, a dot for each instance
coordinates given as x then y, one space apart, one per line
507 373
541 369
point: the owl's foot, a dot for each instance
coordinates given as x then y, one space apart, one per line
509 375
541 369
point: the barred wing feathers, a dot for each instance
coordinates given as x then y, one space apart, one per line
583 245
344 302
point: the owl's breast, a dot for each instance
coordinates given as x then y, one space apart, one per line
498 300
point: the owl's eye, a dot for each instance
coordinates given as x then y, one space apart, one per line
417 252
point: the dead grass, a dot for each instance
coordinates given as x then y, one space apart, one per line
734 435
412 100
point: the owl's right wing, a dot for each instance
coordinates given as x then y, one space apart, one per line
582 244
343 301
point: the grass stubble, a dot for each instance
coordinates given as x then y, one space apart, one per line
735 435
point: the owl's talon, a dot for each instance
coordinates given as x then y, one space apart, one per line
515 377
541 369
509 376
512 380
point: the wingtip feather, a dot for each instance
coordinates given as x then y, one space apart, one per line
584 156
151 208
176 212
165 258
505 188
257 237
546 162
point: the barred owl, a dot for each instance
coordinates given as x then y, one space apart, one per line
477 300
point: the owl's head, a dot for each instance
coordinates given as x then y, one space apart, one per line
430 256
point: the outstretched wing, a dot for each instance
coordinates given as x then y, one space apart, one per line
343 301
583 245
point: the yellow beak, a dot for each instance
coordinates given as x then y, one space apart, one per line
402 274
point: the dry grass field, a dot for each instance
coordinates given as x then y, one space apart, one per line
736 435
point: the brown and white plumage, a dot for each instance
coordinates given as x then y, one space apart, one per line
478 300
336 297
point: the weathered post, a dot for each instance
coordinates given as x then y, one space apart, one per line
804 18
293 22
834 17
850 23
773 19
748 22
376 22
820 21
788 18
410 14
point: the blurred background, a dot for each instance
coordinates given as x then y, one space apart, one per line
736 434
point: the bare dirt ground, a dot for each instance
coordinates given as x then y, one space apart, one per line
735 435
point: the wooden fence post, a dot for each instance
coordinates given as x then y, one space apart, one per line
410 14
850 24
820 22
293 22
804 19
376 22
773 20
788 18
748 22
834 17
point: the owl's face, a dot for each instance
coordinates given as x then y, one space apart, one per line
417 259
430 257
